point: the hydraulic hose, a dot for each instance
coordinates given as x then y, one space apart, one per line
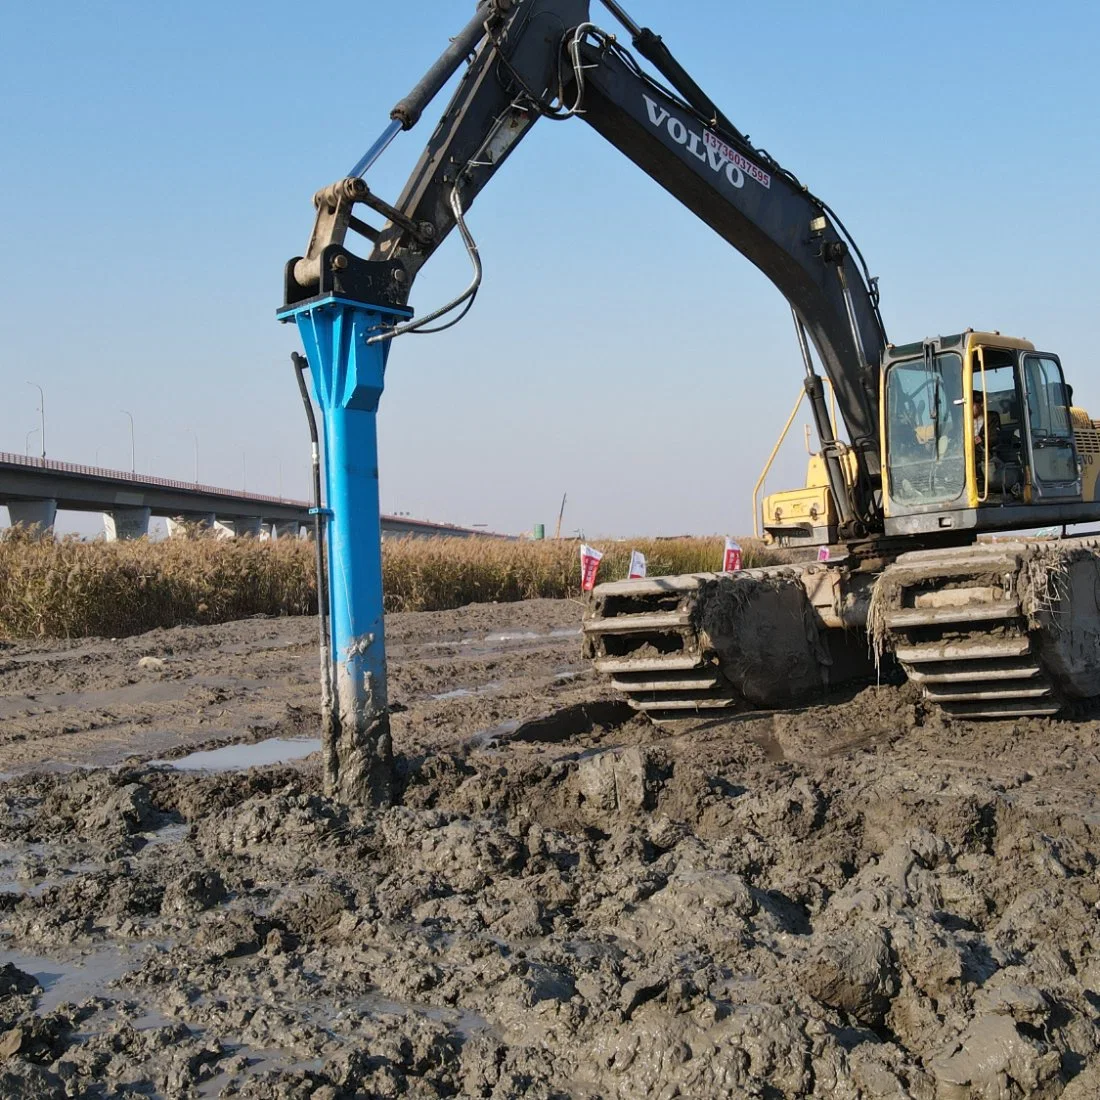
466 296
301 365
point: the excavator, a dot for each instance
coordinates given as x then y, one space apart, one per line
947 439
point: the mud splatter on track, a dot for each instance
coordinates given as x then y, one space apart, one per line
853 899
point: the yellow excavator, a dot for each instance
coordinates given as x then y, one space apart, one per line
978 434
948 438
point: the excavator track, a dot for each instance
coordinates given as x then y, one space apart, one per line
1005 629
704 645
644 635
995 630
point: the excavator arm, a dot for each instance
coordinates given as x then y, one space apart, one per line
535 58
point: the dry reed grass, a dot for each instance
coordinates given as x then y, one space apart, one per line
69 588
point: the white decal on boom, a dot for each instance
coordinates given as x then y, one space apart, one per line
706 146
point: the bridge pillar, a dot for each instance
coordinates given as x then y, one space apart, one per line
285 529
241 527
182 526
126 523
33 513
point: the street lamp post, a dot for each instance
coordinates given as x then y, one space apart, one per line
244 471
27 445
133 452
41 414
195 439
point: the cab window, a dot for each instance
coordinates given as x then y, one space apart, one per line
1048 415
998 427
925 430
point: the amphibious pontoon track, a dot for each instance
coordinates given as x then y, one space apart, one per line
1002 629
644 634
997 630
703 644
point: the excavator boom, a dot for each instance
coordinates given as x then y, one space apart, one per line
540 58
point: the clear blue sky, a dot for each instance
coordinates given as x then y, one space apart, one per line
157 167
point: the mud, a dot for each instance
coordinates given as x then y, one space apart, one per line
854 898
766 634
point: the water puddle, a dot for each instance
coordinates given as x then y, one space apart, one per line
464 692
484 739
46 767
492 643
268 645
32 869
275 750
172 833
72 980
51 656
130 695
259 1060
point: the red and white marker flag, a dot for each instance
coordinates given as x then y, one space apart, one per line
822 553
731 562
637 565
590 562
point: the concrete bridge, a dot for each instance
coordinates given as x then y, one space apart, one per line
35 488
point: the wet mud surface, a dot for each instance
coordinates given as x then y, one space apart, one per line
855 898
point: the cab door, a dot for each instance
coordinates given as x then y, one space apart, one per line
1052 454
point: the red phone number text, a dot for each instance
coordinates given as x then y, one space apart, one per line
734 157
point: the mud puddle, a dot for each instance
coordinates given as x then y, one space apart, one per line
74 978
130 695
497 642
34 868
466 692
275 750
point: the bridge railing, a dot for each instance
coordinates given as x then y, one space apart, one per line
139 479
53 465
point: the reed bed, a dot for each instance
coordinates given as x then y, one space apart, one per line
70 588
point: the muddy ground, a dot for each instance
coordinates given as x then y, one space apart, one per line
852 899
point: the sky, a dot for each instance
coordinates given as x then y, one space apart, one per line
157 164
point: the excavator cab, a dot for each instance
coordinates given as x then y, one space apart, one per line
977 434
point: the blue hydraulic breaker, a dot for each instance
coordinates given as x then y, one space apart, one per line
347 374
